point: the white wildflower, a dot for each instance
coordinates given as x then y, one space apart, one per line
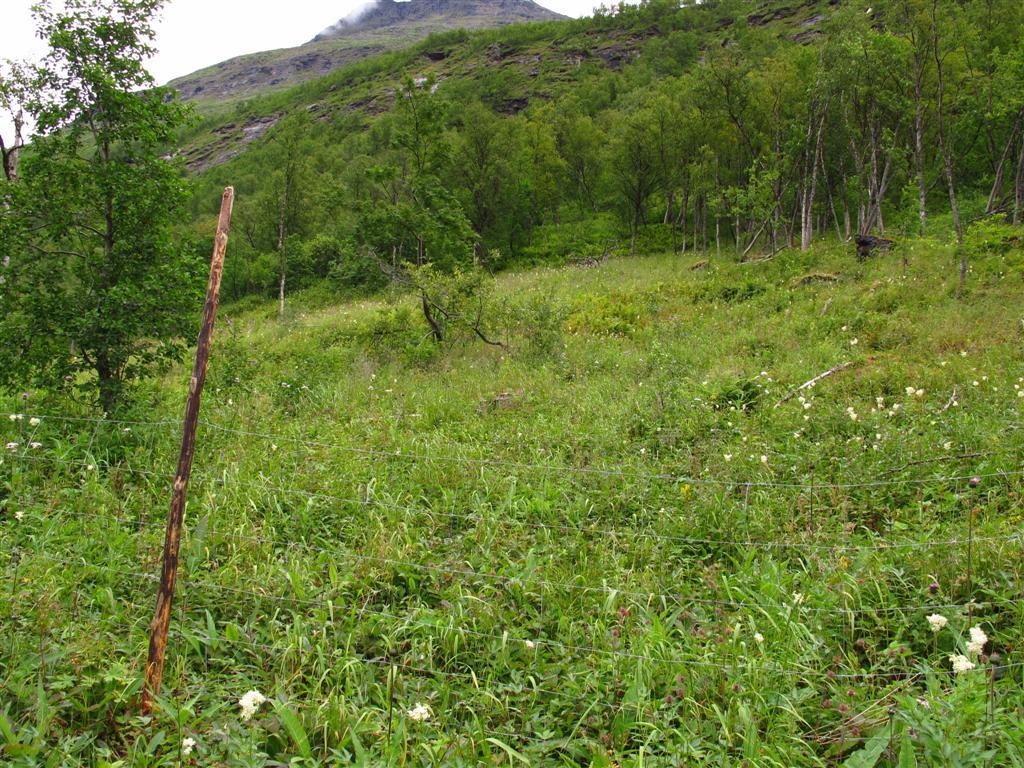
798 598
948 445
19 515
978 640
937 622
187 745
16 417
530 645
728 457
758 637
764 459
854 342
920 393
12 446
35 446
420 713
90 468
911 390
961 663
34 422
250 704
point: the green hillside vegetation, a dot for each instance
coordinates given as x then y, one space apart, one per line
727 126
603 545
386 27
553 418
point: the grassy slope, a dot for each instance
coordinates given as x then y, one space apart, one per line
310 568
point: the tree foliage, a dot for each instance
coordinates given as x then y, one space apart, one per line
99 289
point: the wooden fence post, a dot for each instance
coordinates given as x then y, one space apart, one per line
172 541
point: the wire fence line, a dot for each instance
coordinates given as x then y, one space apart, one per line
527 581
520 637
550 468
670 652
367 501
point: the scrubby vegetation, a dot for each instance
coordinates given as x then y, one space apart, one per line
522 463
601 545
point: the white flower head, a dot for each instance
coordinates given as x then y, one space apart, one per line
728 457
978 640
19 515
16 417
35 446
12 446
911 390
937 622
34 422
758 637
961 663
250 704
420 713
798 598
530 645
187 745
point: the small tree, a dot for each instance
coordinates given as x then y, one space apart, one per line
96 283
635 166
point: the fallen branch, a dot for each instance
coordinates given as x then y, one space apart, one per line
815 380
951 403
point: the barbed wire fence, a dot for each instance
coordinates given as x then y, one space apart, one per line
312 616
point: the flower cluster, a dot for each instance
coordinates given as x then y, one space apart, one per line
978 641
961 663
420 713
250 704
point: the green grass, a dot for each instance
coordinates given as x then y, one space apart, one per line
376 523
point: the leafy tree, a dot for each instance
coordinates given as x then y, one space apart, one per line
98 289
280 211
634 162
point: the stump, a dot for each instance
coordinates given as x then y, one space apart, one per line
868 243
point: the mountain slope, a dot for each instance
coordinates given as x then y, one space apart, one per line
388 25
507 67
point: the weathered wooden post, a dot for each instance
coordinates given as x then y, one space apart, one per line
172 541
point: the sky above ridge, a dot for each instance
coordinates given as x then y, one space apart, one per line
192 34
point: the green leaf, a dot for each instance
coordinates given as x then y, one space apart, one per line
294 727
509 751
869 756
907 757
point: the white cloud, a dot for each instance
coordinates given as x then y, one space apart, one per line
192 34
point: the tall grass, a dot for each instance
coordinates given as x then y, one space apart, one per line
602 546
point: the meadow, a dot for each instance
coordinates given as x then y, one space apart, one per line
605 544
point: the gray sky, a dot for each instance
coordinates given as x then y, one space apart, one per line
193 34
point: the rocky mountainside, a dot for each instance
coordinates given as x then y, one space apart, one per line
381 26
452 13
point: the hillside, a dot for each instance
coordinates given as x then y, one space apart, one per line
604 545
386 25
509 69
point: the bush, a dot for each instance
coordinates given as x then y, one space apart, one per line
539 322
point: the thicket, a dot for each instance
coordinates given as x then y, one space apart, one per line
724 136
